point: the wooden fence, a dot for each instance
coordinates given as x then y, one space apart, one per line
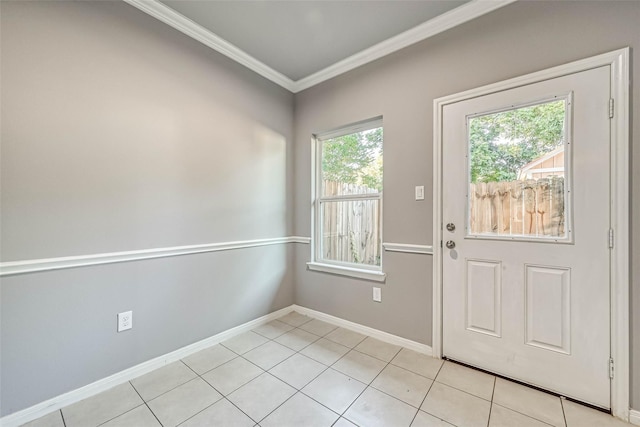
521 208
351 229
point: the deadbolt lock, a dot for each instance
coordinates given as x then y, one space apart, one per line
451 226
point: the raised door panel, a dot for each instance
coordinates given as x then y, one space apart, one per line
483 292
548 307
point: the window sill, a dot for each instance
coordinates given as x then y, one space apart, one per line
376 276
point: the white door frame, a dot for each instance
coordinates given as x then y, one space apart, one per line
619 276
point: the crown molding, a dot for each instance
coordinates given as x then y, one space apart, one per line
437 25
206 37
446 21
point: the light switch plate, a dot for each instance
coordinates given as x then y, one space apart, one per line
377 294
419 192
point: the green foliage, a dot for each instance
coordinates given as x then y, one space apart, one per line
354 159
502 143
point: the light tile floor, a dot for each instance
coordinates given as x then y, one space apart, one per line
299 371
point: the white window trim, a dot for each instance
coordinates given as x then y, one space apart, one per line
359 271
373 275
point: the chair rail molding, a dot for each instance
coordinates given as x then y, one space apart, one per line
408 248
48 264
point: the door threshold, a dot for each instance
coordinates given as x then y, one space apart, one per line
589 405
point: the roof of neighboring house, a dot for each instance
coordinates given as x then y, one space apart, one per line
535 162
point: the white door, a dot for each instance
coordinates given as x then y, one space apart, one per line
526 191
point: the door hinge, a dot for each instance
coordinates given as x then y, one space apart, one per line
611 367
611 108
611 238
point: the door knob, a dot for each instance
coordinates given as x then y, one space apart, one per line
450 244
451 226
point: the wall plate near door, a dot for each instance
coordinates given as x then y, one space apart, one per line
377 294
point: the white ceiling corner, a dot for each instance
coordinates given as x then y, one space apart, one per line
436 25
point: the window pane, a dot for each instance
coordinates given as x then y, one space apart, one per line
351 231
352 164
517 172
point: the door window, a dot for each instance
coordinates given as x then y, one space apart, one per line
519 172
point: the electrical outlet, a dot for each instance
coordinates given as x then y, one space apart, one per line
125 321
377 294
419 192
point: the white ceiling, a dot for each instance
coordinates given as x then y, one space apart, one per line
299 43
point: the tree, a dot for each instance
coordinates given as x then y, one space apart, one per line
502 143
354 159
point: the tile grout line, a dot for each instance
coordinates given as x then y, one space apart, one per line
121 414
370 382
296 389
369 385
144 403
433 381
397 398
127 411
423 399
512 381
466 392
320 403
218 391
242 385
564 415
221 394
64 423
267 371
493 392
226 363
238 408
295 352
418 373
428 391
523 414
255 348
326 369
209 406
205 381
165 392
285 401
229 361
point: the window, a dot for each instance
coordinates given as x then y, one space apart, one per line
519 173
348 201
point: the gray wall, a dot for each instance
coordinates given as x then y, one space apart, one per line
120 133
521 38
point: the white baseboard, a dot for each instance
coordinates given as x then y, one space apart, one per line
58 402
375 333
634 417
29 414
